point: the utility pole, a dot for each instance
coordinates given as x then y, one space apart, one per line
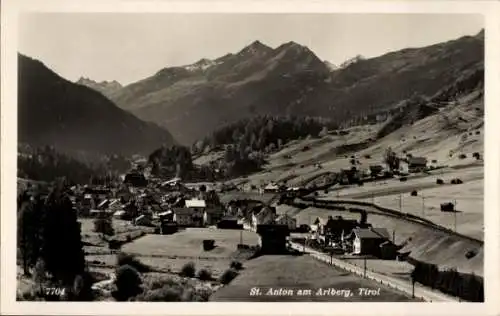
400 203
364 269
413 289
455 215
373 198
394 236
241 237
423 206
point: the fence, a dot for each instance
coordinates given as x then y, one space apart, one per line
372 275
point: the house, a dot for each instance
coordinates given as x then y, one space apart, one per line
367 241
287 220
273 238
265 216
317 227
196 203
212 216
271 188
120 214
188 217
338 226
417 164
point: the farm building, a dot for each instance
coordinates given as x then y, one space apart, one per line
272 238
287 220
367 241
188 217
417 164
212 216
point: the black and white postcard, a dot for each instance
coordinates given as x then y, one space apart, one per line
208 152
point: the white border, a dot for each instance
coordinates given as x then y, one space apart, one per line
8 125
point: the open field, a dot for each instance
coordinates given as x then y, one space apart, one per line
300 273
468 197
171 252
415 182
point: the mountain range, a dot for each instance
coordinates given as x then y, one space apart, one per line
105 87
74 118
191 101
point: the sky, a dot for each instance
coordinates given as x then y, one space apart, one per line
128 47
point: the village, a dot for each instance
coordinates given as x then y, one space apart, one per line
168 206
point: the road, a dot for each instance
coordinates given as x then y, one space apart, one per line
420 291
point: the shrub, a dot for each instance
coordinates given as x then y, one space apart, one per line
188 270
127 282
352 161
462 156
476 155
316 193
236 265
414 193
434 161
127 259
228 276
403 179
367 156
439 181
205 275
478 132
325 191
128 238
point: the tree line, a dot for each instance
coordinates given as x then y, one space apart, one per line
466 286
47 164
263 133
